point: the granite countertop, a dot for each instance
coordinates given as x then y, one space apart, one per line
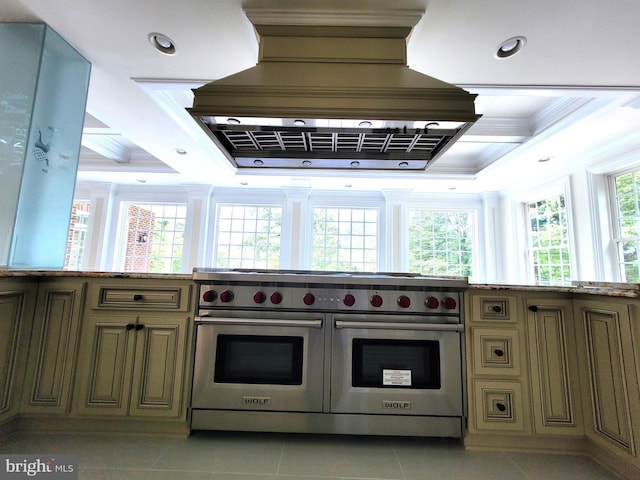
91 274
611 289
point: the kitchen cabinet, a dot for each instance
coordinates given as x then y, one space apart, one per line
53 346
608 341
553 366
497 378
16 314
133 354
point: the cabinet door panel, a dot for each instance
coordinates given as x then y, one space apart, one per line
604 330
157 381
107 377
11 307
553 362
53 347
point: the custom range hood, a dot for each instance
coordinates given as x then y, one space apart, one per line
332 97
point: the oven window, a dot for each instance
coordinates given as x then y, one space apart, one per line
396 363
259 359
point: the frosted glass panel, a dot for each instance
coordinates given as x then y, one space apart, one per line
51 157
21 50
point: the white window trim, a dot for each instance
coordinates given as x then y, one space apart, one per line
327 199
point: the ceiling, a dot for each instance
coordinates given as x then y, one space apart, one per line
570 98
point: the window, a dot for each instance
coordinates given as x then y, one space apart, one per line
77 235
441 242
153 237
549 241
248 236
627 225
345 239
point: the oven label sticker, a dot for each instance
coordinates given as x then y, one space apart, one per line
400 378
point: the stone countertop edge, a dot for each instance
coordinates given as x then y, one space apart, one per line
88 274
631 290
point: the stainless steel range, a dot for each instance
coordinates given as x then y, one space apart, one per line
329 352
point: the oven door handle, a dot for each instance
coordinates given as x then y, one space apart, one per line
259 322
430 327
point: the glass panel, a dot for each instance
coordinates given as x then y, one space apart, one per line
417 363
53 110
255 359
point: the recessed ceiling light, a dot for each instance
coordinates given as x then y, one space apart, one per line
510 47
233 121
348 185
257 161
544 159
355 163
162 43
299 122
306 163
244 183
180 151
140 180
403 164
452 187
365 123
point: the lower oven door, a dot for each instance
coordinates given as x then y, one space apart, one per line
390 366
272 363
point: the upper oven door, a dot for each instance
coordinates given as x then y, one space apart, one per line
390 366
274 362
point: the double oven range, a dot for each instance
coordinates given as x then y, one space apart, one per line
329 352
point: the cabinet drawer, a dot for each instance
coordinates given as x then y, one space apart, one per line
494 309
151 297
496 351
498 405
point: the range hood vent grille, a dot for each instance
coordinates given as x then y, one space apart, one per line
332 98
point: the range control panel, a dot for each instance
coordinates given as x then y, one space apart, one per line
314 298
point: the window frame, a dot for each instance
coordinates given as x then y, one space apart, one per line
348 200
561 188
475 243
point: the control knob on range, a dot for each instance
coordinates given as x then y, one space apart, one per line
376 301
309 299
209 296
450 303
259 297
276 298
432 303
226 296
404 301
349 300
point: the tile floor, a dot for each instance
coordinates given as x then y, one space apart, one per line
258 456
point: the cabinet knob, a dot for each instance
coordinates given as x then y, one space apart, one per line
533 308
137 297
496 308
130 326
501 406
499 352
139 326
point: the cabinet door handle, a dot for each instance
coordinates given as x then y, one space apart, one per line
139 327
137 297
533 308
130 326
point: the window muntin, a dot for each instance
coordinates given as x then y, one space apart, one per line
77 235
441 242
345 239
627 224
248 236
548 235
153 237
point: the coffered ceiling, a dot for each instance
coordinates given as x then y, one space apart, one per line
569 99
